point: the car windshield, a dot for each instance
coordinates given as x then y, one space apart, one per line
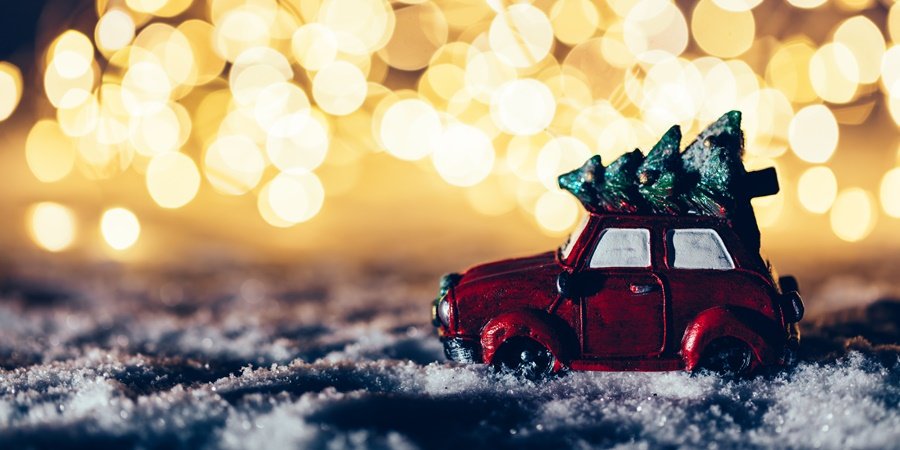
566 248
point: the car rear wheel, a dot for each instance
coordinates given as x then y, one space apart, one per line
726 356
525 358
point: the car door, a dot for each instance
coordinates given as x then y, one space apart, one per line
623 303
698 257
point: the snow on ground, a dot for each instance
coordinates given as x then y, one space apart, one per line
277 357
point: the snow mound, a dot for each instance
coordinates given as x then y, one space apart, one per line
281 358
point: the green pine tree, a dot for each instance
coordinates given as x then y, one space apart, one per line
619 193
659 176
585 182
713 166
609 189
715 192
724 132
708 178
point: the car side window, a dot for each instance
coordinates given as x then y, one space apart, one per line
698 248
622 247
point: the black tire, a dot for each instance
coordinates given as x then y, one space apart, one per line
726 356
524 358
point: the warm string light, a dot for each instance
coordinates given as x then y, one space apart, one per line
10 89
120 228
507 96
52 226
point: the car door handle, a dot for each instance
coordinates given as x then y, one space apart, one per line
639 289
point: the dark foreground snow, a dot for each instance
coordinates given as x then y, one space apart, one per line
225 359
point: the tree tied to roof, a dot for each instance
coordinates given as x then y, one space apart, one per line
707 179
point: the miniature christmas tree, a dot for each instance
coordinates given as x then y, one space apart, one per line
620 193
724 132
714 193
583 182
707 179
660 173
608 189
714 161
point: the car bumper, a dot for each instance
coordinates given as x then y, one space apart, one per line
462 350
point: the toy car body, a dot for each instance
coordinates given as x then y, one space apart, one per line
626 292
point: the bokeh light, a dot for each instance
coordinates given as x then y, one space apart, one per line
420 30
817 189
64 91
523 107
835 73
890 192
120 228
156 132
285 103
71 54
234 164
290 199
574 21
807 4
853 215
813 134
463 155
303 150
52 226
10 89
207 62
655 30
241 27
485 73
722 32
146 6
788 70
172 179
282 109
737 5
339 88
314 46
863 38
146 88
114 30
49 152
410 129
364 31
521 35
557 211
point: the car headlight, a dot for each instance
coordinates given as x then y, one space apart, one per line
443 312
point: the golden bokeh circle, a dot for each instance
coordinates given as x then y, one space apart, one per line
420 30
722 32
853 215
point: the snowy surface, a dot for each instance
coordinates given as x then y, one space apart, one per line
279 357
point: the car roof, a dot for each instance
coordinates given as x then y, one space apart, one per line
680 220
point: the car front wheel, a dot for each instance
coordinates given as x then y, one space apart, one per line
726 356
525 358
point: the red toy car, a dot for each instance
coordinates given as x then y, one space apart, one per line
626 292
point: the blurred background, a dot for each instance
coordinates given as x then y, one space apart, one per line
223 221
427 133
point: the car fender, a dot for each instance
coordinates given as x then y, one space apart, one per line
751 327
549 331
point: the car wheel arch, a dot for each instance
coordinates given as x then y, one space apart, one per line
748 326
547 330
